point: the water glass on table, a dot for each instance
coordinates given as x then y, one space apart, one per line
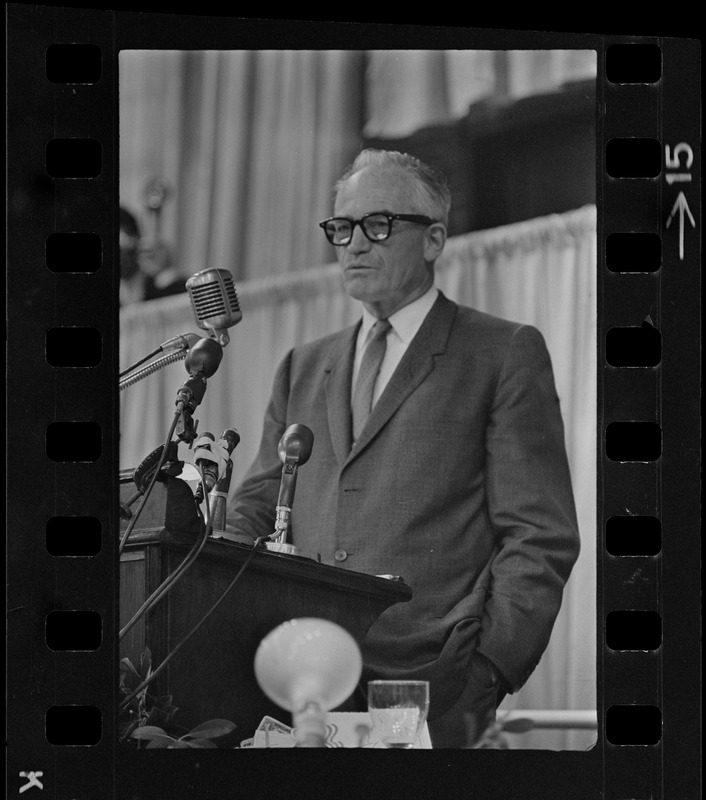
398 711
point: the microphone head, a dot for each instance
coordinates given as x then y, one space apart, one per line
203 358
231 437
214 302
296 444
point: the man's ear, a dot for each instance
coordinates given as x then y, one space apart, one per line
434 241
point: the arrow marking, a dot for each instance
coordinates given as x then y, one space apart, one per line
681 206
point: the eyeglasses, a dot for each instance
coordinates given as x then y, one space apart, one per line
376 226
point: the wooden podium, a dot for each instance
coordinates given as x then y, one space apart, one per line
212 675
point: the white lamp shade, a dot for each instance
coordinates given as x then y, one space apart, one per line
308 660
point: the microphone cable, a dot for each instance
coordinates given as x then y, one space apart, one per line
148 491
146 682
141 361
170 581
194 552
203 359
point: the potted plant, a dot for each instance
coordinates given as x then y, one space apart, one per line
146 721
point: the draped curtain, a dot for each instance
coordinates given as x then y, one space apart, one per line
541 272
242 137
410 89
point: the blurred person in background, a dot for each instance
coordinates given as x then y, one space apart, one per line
146 270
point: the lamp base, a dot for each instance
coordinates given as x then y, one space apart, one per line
309 726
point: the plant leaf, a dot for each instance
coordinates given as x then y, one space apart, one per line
149 732
165 700
156 717
201 743
145 664
165 704
179 744
126 728
211 729
163 743
127 666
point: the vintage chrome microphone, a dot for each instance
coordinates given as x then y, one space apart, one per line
215 305
214 302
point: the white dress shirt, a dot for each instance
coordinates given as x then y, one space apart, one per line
405 324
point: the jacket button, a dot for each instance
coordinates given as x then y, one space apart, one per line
340 555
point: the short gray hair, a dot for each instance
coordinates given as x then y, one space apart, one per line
433 196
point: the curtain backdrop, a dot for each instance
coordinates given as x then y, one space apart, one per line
241 136
541 272
409 89
251 142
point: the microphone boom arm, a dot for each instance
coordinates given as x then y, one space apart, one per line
149 369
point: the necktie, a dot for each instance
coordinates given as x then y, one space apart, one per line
367 375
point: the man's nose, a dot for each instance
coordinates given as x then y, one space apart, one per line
359 242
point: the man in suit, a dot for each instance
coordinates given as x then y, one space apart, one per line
457 480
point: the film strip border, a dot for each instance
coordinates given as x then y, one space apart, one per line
649 274
62 408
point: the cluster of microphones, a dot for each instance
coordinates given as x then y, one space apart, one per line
216 308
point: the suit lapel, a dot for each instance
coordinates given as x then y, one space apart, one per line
337 387
416 364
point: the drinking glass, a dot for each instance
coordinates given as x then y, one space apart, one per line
398 711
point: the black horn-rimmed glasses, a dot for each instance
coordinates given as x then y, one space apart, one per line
376 226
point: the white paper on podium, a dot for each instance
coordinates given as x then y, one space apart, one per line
341 731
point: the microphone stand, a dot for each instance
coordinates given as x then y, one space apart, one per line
289 469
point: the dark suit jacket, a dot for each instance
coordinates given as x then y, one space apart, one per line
459 484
